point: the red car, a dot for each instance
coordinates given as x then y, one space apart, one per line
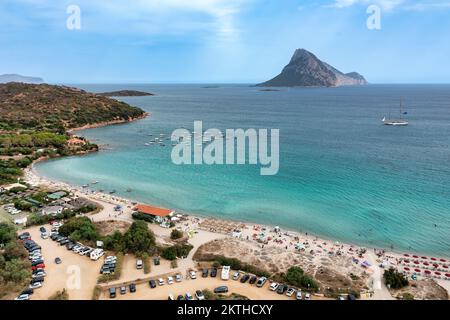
39 266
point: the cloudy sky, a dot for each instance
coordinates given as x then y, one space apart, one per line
239 41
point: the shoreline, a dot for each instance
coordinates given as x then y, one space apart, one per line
107 123
31 175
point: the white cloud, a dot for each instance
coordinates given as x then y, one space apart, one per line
384 4
150 16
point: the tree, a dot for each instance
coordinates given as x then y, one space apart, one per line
79 228
138 238
7 232
395 279
295 276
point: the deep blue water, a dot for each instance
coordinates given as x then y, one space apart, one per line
343 175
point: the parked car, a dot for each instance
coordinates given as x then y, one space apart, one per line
58 260
139 264
221 289
273 286
39 266
23 297
180 297
290 292
189 296
205 272
38 274
253 279
178 277
44 235
112 293
170 297
169 280
261 282
156 261
161 281
36 262
42 229
35 285
28 291
199 294
132 287
152 284
37 279
244 278
123 290
236 275
307 296
298 296
281 289
193 275
213 272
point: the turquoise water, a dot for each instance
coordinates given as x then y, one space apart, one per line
343 175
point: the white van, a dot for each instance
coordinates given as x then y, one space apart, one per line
96 254
225 272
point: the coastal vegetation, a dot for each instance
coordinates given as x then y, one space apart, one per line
14 266
176 251
395 279
35 119
60 295
176 234
117 272
295 276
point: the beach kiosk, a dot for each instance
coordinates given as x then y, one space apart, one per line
160 215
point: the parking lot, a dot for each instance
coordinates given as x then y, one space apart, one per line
144 292
66 274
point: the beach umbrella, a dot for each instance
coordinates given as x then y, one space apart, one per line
435 265
443 260
434 259
417 270
415 256
416 262
447 275
425 258
427 272
406 255
406 261
426 264
406 268
437 273
445 267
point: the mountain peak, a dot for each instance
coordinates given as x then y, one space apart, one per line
306 70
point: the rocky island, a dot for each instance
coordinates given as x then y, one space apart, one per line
126 93
306 70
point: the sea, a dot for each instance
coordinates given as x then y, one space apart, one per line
343 175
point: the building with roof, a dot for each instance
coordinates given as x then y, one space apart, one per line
158 214
56 195
52 210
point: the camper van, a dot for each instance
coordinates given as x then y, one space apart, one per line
96 254
225 272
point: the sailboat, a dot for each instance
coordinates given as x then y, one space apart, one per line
396 122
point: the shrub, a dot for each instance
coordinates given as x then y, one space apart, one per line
79 228
138 238
176 234
295 276
59 295
178 250
395 279
141 216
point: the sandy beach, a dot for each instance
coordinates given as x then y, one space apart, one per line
263 246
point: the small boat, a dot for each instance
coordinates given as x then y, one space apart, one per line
147 144
129 190
396 122
84 186
112 192
94 182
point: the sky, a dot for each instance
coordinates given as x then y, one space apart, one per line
222 41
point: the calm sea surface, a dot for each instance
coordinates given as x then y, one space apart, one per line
343 175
